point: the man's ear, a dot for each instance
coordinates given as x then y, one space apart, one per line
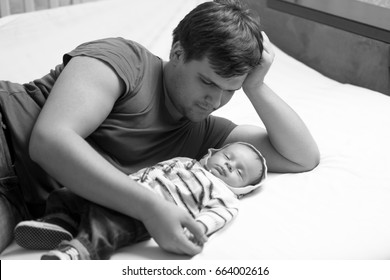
177 52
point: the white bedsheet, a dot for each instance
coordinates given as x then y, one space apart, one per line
340 210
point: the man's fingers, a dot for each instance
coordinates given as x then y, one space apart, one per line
267 44
179 243
196 230
266 40
187 247
167 225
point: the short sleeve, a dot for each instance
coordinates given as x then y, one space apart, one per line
125 57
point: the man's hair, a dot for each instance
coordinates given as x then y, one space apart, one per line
226 33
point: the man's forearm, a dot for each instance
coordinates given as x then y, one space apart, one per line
286 131
75 164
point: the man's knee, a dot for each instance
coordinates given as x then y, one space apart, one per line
64 200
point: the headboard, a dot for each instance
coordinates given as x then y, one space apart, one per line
333 51
8 7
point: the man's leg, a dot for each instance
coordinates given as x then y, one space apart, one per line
12 206
9 216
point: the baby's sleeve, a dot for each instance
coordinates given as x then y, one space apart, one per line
220 206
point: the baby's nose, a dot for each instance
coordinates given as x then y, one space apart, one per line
229 166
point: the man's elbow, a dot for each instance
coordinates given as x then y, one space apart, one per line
311 162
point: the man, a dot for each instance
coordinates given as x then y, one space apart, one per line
112 108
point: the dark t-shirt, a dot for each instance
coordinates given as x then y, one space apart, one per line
138 132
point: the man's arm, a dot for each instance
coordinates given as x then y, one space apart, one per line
286 143
81 99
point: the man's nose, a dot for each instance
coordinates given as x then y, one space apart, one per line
215 98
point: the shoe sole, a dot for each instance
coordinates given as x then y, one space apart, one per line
50 257
35 235
45 257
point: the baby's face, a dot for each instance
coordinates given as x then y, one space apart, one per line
237 165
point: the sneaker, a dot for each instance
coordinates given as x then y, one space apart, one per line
36 235
64 253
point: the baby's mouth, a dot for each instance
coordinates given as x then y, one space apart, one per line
220 170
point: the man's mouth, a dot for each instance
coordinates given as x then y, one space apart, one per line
205 107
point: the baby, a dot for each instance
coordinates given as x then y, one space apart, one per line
208 189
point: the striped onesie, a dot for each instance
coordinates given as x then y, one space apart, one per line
186 183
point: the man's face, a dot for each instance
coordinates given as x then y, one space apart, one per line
196 90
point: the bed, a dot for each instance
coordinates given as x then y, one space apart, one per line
338 211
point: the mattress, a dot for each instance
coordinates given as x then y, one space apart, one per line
338 211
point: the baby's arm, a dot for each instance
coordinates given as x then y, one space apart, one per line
220 206
216 215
